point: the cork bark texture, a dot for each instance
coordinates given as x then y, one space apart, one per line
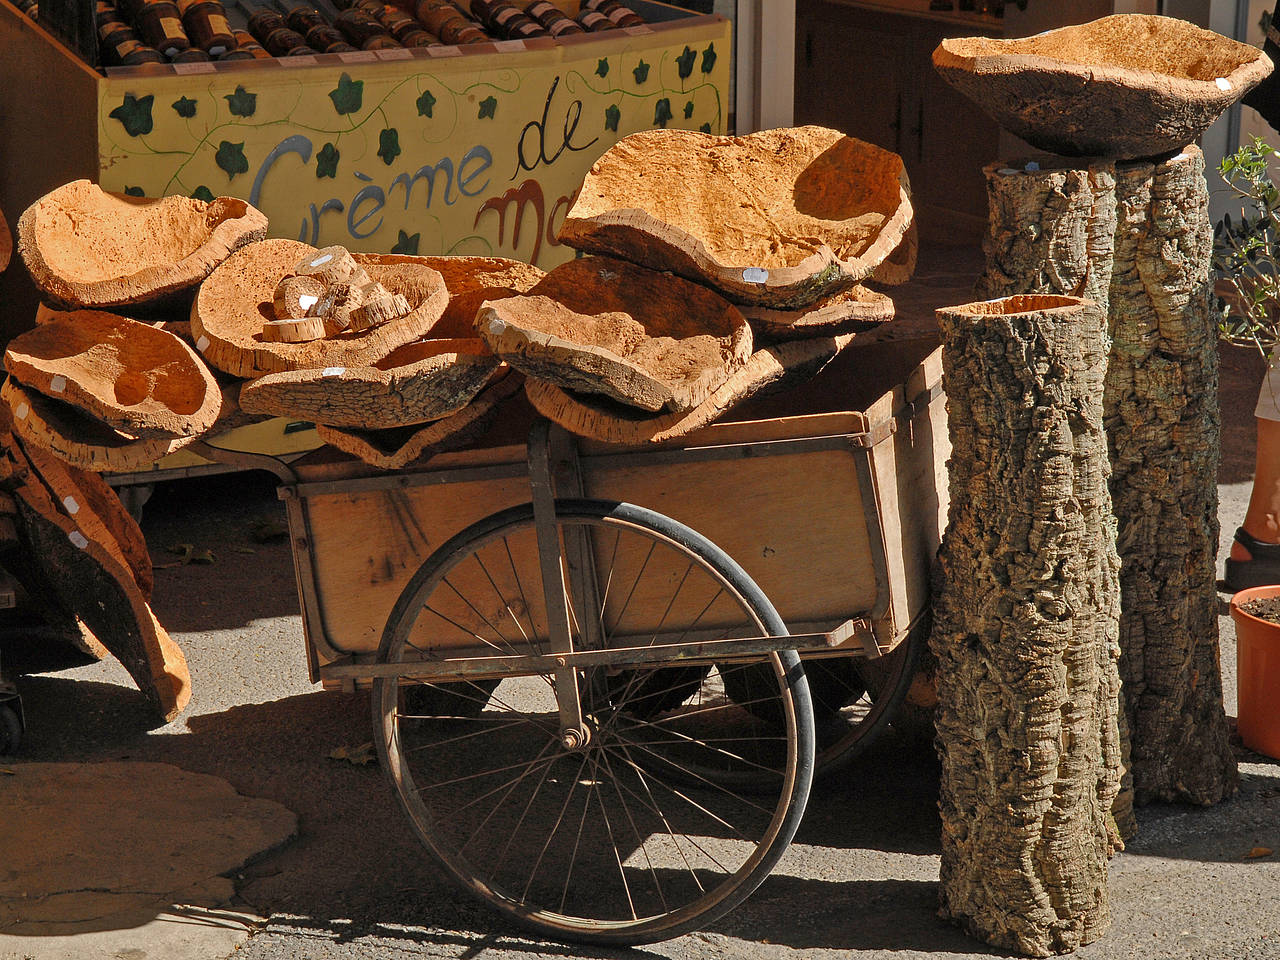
84 569
854 310
778 217
1144 253
1124 86
135 377
422 381
398 447
1025 627
238 297
600 419
85 247
79 439
472 280
609 327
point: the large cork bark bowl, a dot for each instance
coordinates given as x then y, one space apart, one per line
421 381
599 419
609 327
238 298
397 447
779 217
133 376
85 247
847 311
1125 86
473 280
78 438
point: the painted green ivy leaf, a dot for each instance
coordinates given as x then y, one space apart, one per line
705 128
426 103
327 161
684 62
709 58
242 103
641 72
488 108
184 107
133 192
230 157
662 112
202 193
389 145
135 114
602 67
407 244
688 110
611 117
347 95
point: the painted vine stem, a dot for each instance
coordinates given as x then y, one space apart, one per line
1025 622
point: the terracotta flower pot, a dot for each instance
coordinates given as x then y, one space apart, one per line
1257 673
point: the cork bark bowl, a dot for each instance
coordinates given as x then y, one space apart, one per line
1124 86
472 280
847 311
609 327
421 381
778 218
135 377
238 298
85 247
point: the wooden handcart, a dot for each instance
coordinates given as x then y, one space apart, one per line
585 685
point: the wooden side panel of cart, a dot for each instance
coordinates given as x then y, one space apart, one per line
825 540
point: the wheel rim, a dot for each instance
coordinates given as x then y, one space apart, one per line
646 830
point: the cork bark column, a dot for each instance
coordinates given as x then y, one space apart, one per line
1025 623
1136 237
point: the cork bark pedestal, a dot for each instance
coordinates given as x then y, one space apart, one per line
1137 237
1025 633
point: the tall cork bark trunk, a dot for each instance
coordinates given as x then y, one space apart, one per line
1163 426
1025 626
1051 230
1144 254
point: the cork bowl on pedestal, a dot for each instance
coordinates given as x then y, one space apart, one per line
130 375
609 327
778 218
1124 86
85 247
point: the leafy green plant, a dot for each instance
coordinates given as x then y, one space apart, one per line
1246 250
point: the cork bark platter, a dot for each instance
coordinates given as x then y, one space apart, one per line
472 280
398 447
232 305
78 438
85 247
133 376
848 311
599 419
606 326
101 590
778 217
1124 86
421 381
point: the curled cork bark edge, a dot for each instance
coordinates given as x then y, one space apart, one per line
239 224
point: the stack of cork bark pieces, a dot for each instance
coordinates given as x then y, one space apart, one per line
717 265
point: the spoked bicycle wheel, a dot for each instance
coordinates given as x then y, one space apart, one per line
677 801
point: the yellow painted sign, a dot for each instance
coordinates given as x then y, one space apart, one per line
456 153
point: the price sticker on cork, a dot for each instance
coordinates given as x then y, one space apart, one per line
78 539
1031 166
1223 83
333 371
58 383
70 503
202 344
21 412
755 275
306 301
